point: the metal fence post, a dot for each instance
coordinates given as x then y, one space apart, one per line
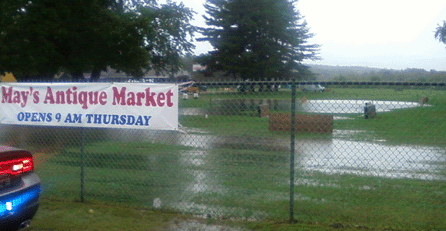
292 144
82 164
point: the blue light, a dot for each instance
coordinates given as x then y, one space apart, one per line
16 201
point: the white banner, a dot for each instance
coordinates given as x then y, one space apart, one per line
103 105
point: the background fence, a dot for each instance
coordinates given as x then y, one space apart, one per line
240 155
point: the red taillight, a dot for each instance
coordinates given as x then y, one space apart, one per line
16 166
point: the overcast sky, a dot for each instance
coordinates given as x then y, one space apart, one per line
393 34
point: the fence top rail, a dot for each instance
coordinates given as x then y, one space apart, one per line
289 82
275 82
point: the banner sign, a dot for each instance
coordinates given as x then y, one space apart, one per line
102 105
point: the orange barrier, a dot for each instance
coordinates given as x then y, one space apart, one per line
304 123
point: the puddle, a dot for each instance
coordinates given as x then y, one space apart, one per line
197 226
342 118
203 182
314 183
370 159
207 174
332 156
194 158
344 106
218 212
210 175
352 106
317 183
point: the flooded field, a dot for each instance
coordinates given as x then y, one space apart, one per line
244 177
218 173
332 156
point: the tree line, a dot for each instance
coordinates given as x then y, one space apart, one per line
251 40
42 38
352 73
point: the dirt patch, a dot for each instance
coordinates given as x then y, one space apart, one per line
43 155
40 158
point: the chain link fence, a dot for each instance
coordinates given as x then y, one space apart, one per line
342 154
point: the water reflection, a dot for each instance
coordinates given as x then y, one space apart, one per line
203 181
371 159
344 106
352 106
331 156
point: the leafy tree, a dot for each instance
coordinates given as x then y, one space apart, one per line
256 40
440 33
40 38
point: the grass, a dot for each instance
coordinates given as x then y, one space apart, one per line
372 202
100 216
254 127
414 126
66 215
114 171
75 216
248 181
418 126
238 183
370 93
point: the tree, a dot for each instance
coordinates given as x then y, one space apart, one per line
440 33
256 40
40 38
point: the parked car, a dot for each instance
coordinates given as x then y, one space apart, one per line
313 87
19 188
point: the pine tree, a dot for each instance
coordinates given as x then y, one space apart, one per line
256 40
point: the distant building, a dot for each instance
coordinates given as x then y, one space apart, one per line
198 67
